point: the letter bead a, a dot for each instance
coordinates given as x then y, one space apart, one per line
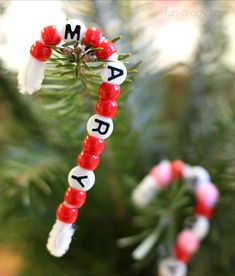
115 72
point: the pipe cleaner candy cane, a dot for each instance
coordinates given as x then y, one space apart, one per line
100 126
188 240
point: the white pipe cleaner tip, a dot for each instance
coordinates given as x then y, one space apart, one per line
60 238
31 75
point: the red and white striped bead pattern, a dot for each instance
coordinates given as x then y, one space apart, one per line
99 127
188 240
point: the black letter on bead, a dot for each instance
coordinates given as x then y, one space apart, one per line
113 75
79 179
68 30
173 269
100 127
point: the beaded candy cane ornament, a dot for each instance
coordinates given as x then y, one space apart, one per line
188 240
99 127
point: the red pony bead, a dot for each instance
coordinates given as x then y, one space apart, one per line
50 36
88 161
106 108
203 210
40 51
66 214
75 197
93 145
108 49
181 254
108 91
93 36
177 169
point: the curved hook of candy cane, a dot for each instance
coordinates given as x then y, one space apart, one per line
31 73
60 238
161 176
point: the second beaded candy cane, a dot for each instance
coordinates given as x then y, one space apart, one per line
206 194
99 127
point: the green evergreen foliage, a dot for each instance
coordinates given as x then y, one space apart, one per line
185 112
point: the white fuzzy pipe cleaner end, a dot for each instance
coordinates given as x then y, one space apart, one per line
31 75
145 192
60 238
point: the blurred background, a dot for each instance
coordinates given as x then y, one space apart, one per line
180 105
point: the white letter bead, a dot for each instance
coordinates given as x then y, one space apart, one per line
114 72
72 30
195 176
200 227
172 267
81 179
144 193
100 127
